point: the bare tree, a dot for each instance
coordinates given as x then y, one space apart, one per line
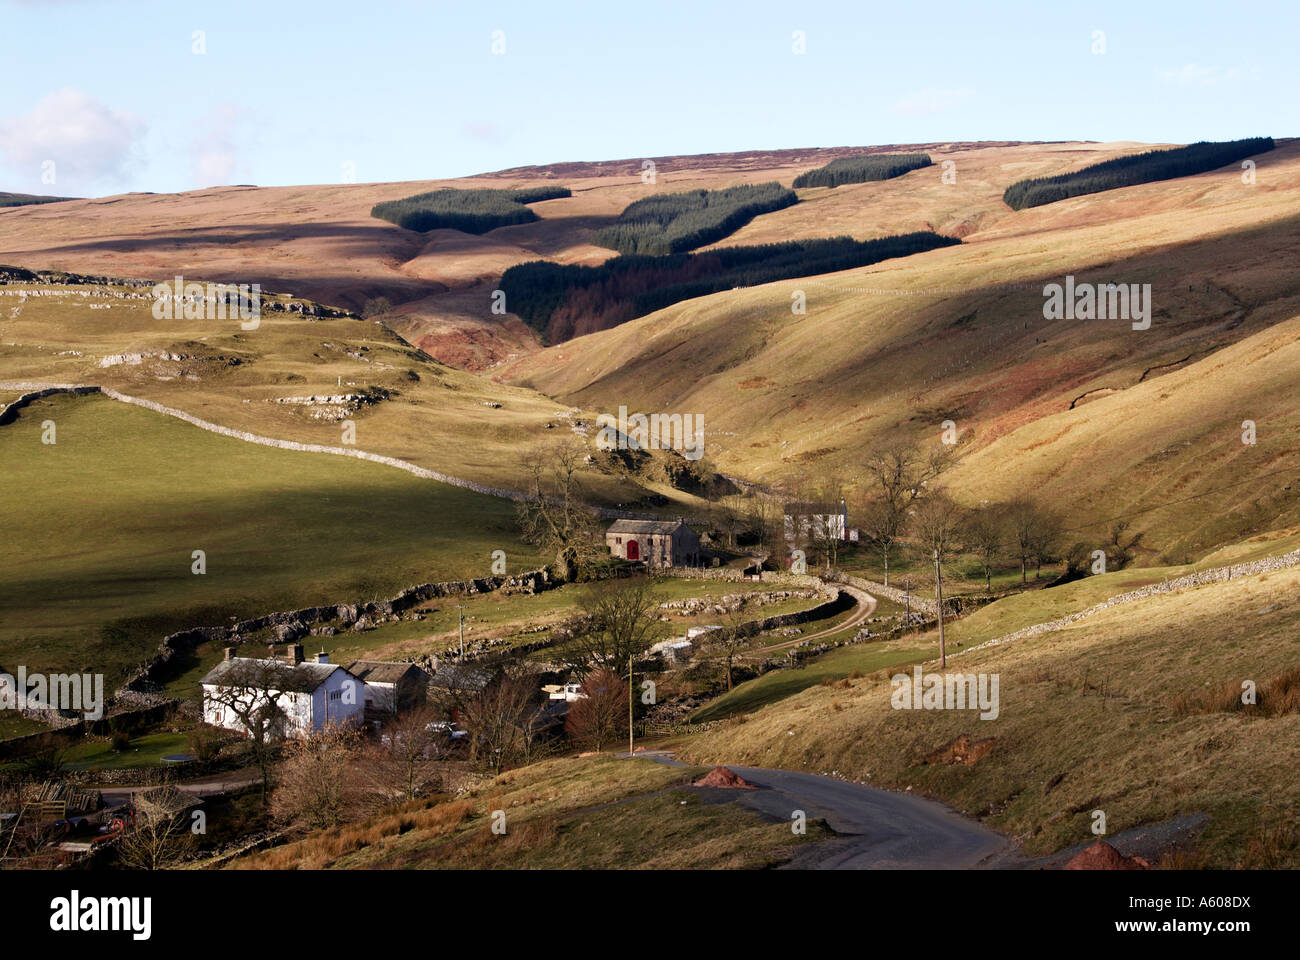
1030 527
318 784
597 717
824 531
499 715
405 760
161 835
618 616
552 514
896 476
725 643
984 536
1045 541
730 513
251 690
1119 553
935 523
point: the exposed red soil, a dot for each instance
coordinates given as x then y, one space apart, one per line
1102 856
724 778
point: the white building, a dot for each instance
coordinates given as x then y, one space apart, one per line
306 694
816 521
391 687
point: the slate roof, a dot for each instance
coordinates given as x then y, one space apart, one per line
468 677
645 526
270 674
381 671
814 509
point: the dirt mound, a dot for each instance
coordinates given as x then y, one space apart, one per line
722 777
963 749
1102 856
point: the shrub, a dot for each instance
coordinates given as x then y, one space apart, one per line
879 166
471 211
1149 167
676 222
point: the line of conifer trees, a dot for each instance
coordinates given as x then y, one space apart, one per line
620 289
1129 171
669 223
472 211
880 166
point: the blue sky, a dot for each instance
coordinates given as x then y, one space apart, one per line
113 94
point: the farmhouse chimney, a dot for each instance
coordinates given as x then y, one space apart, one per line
295 654
322 657
230 653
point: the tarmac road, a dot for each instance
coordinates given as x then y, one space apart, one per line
881 829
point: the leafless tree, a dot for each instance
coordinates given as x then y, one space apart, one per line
935 523
1120 552
162 834
319 785
251 690
725 643
1046 539
598 717
618 616
406 759
895 477
730 513
985 535
552 515
499 715
1033 530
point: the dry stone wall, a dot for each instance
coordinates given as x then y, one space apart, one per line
1201 578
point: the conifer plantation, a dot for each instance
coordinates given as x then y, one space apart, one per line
880 166
472 211
1146 167
677 222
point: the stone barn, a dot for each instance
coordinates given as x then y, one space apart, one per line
656 543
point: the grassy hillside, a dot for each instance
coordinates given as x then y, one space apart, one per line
26 199
95 564
593 813
959 333
1129 711
405 404
321 242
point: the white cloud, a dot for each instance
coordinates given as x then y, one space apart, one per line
89 143
483 132
213 153
926 102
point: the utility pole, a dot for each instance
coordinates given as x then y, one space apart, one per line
938 596
629 705
461 611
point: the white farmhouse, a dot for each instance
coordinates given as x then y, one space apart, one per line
306 695
816 521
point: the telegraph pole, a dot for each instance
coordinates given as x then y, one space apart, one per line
938 596
629 705
461 611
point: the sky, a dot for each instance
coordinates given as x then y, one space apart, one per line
99 97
